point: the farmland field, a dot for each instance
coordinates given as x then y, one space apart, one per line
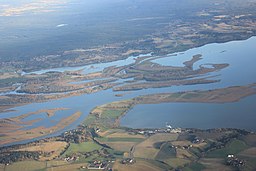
146 148
83 147
53 147
140 165
176 162
234 147
26 165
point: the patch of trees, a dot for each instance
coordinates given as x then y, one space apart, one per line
78 135
10 157
222 142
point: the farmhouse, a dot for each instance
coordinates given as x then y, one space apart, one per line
97 165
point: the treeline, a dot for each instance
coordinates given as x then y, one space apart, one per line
10 157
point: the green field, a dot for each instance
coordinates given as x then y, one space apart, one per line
118 139
89 119
194 167
176 162
166 152
105 116
82 147
175 95
26 166
191 95
112 113
233 147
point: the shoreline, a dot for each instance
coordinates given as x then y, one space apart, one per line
94 120
98 86
225 95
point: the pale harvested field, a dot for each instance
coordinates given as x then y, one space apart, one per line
54 163
110 131
121 145
251 152
138 166
124 135
46 146
56 146
146 148
69 167
26 166
200 145
181 143
2 167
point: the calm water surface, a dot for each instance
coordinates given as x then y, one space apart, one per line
241 57
194 115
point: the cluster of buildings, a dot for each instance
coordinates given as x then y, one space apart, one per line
148 132
232 160
128 161
197 140
95 164
99 165
72 158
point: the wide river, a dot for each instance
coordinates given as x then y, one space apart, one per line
240 55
